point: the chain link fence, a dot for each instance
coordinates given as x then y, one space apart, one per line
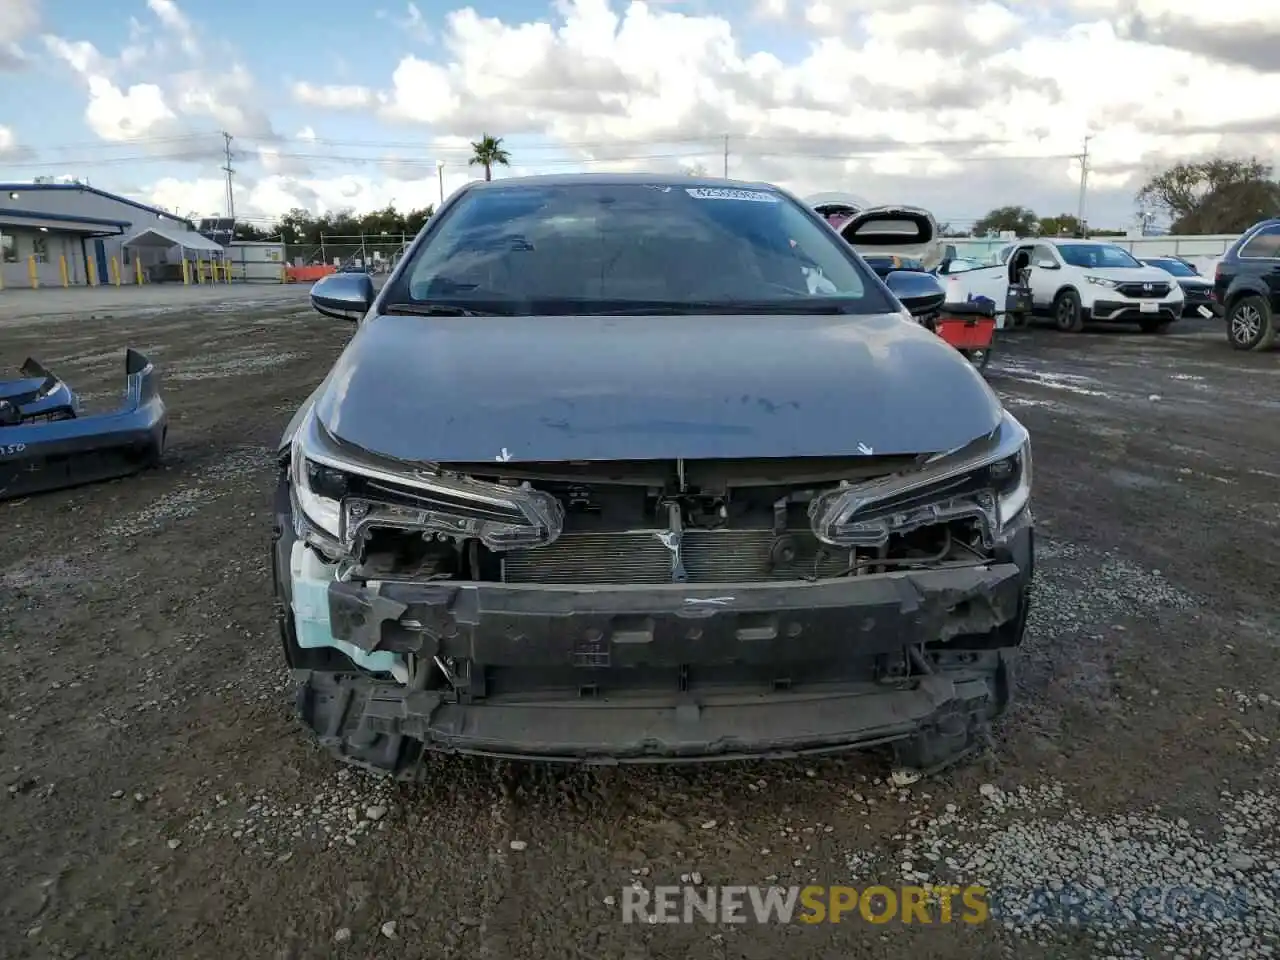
375 252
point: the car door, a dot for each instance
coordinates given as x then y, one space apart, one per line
1044 280
1261 258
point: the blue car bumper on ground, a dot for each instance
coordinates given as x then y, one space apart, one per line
47 443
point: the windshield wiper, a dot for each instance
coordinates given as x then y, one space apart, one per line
437 310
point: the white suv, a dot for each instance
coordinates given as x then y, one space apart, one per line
1080 281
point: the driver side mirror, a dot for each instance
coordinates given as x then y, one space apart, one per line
1047 265
343 296
920 293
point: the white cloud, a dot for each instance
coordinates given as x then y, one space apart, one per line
118 115
861 107
332 96
18 18
175 20
10 148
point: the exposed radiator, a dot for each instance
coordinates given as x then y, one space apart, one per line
639 556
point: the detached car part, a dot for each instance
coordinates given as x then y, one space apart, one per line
47 442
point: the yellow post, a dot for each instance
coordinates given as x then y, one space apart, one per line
62 265
92 270
138 264
226 270
115 271
31 272
186 272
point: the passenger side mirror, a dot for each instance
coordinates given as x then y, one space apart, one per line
343 296
1047 265
920 293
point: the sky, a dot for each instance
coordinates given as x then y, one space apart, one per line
956 105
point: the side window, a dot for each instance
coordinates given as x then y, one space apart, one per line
1043 252
1265 244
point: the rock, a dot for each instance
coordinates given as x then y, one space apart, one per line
175 843
518 845
375 812
343 934
388 929
709 825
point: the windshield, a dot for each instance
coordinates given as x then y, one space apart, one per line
1096 255
1175 267
576 248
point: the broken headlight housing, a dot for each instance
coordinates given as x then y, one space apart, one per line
340 497
988 481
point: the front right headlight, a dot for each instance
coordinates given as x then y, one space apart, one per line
988 481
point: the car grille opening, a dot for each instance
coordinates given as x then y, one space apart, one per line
1144 291
641 556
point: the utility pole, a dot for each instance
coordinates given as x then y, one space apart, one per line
231 197
1084 182
726 156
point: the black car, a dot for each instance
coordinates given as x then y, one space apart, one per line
637 468
1197 290
1247 284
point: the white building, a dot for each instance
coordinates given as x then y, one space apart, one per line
101 237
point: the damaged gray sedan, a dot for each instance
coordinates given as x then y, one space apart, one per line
625 468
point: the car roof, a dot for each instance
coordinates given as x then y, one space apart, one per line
621 179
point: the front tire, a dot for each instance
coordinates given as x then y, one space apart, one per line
1251 324
979 358
1068 313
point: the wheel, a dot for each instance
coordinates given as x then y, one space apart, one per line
1250 324
979 358
1068 315
1152 325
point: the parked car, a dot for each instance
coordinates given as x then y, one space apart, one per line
1247 284
959 265
1075 282
625 468
1197 291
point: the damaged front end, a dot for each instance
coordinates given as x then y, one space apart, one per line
653 610
47 442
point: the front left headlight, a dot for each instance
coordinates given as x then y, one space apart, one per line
342 499
1101 282
988 481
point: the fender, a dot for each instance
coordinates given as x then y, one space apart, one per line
1243 286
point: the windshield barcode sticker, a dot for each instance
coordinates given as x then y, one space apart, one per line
723 193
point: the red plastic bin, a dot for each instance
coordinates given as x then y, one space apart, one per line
971 333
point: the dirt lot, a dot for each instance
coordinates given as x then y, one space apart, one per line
161 801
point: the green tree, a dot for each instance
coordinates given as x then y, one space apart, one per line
1021 220
1218 195
488 153
1063 225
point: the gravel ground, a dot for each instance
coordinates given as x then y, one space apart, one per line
163 802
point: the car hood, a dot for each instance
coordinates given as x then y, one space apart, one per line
1129 274
469 389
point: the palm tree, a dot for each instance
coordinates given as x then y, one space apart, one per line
488 153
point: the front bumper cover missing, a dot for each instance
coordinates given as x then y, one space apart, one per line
620 628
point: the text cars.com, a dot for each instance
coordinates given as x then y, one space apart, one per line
812 904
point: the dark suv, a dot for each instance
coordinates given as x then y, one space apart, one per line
1247 284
